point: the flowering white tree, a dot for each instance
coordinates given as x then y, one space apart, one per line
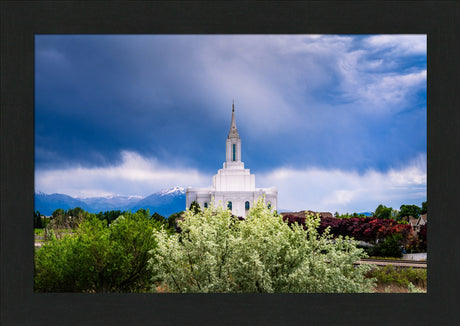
216 252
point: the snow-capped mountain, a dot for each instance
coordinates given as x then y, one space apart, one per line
165 203
176 190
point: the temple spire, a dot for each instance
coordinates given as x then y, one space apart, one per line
233 133
233 144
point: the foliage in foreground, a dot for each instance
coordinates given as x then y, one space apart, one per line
216 252
404 277
97 257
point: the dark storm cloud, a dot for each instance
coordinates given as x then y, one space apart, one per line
97 95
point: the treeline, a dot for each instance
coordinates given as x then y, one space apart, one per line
383 212
69 219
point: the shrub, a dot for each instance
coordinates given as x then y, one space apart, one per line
400 276
417 241
365 229
422 238
217 252
391 247
98 258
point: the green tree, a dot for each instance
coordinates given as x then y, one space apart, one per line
58 212
171 222
390 247
424 208
383 212
64 222
216 252
97 257
158 217
195 207
38 220
76 212
143 212
409 210
110 216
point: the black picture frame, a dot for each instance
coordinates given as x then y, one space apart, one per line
20 21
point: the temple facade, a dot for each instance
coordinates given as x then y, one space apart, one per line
233 186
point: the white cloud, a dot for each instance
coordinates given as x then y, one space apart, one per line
136 175
391 89
374 78
398 43
298 189
344 191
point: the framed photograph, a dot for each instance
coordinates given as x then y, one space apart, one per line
123 127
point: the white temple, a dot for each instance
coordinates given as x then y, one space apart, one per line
233 185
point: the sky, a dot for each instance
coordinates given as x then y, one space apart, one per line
336 122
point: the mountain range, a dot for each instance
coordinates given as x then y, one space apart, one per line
164 203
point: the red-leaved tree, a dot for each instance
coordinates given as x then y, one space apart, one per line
367 229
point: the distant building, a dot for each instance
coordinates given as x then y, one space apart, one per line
422 219
233 185
412 222
416 223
